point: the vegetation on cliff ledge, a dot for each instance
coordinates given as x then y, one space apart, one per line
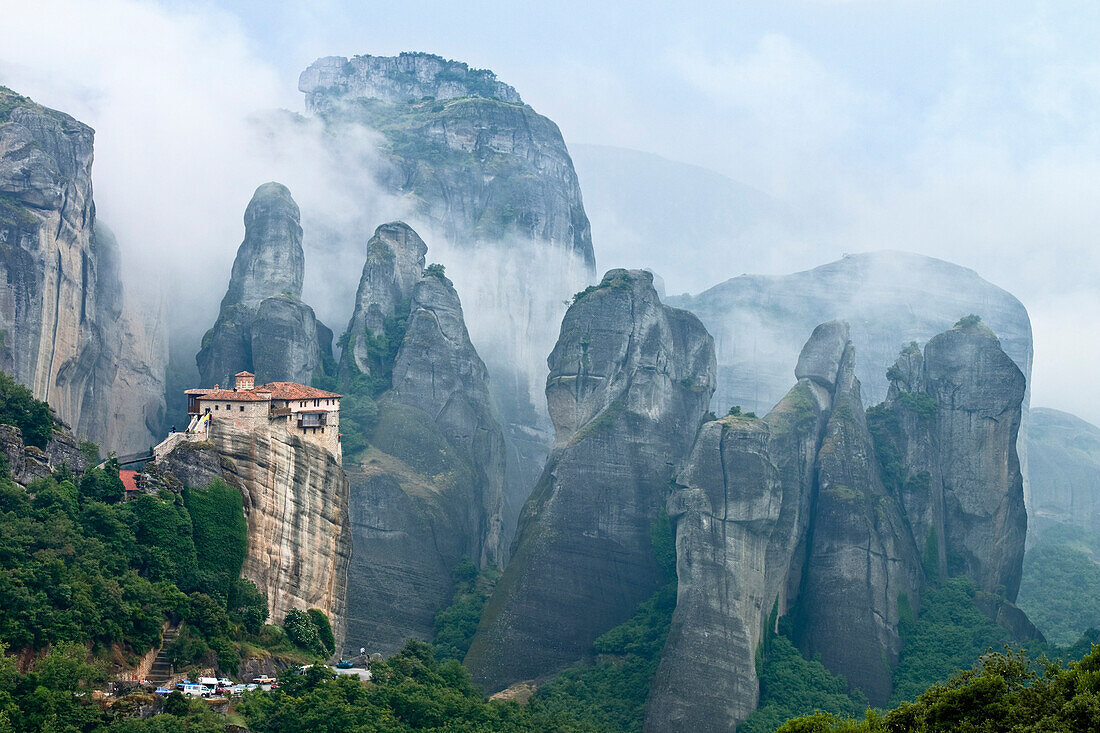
19 408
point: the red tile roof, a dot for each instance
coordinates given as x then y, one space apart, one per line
129 480
238 395
244 374
265 392
292 391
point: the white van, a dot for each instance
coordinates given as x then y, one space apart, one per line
194 691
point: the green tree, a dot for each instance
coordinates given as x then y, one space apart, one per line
19 408
102 484
302 632
324 630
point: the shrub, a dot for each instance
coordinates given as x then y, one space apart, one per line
18 407
302 632
102 484
247 606
437 271
324 630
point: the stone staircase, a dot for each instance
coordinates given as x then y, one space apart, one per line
161 670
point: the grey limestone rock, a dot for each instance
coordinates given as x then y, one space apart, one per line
490 178
959 432
394 265
429 491
409 77
862 567
27 463
263 325
66 330
629 381
891 299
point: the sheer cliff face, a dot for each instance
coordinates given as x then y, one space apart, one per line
774 515
954 415
889 298
296 504
65 329
466 116
793 515
629 382
263 326
862 565
395 264
1065 469
429 491
492 181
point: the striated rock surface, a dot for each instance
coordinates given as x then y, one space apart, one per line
66 330
296 505
263 326
26 463
493 183
833 516
743 509
629 381
1064 453
890 299
438 372
395 264
862 567
429 491
955 431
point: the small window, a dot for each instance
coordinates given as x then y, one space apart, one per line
229 407
242 408
215 407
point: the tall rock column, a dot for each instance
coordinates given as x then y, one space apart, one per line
630 380
66 331
428 491
862 566
954 417
776 516
741 508
263 325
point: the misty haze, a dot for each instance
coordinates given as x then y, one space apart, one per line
568 368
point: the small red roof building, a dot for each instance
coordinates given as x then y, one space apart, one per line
129 480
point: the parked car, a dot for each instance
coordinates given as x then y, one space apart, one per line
195 691
161 691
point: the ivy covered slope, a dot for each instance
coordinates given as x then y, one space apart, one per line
423 450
